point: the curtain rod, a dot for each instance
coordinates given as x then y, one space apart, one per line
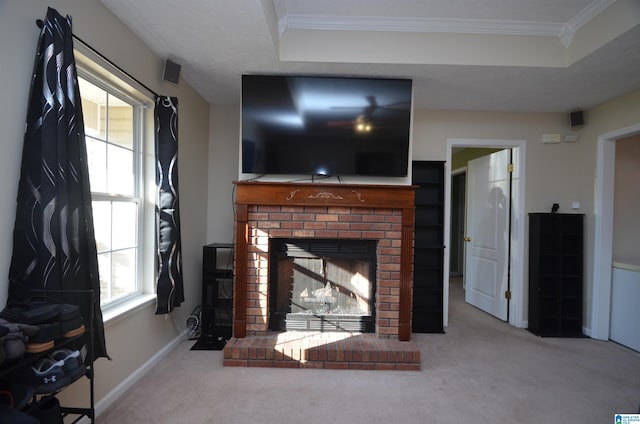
40 24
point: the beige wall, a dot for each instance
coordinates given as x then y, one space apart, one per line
223 170
134 340
626 228
616 114
554 171
561 165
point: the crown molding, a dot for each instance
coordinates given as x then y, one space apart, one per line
402 24
583 17
564 31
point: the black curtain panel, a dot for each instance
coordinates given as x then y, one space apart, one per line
54 246
169 286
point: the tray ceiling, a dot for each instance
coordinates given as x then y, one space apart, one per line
500 55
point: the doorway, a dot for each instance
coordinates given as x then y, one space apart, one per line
516 237
603 238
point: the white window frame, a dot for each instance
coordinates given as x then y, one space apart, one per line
98 71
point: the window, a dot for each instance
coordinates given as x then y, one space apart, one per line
113 123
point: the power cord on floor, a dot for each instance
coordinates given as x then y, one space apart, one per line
193 323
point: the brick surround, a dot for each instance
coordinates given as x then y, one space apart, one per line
332 222
329 211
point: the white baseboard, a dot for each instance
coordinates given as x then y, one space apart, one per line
133 378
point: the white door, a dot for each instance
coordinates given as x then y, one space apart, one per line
487 233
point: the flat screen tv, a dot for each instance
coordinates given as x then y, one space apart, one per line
333 126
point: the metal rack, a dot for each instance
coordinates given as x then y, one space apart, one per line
217 291
6 370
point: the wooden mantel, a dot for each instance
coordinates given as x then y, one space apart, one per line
348 195
249 193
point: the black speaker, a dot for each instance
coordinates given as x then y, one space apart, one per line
171 71
576 118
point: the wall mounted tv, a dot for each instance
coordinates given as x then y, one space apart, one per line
334 126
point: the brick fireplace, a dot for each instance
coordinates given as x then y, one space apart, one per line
291 211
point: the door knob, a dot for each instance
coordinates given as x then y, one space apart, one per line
467 239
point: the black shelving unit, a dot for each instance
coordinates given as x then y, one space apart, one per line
428 257
217 290
555 274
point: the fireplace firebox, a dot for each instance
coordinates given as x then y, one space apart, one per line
322 285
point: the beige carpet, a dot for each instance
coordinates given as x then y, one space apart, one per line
480 371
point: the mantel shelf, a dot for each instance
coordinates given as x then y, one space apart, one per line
323 194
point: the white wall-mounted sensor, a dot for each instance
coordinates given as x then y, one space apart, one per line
550 138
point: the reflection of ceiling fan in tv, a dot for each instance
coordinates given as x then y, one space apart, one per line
364 121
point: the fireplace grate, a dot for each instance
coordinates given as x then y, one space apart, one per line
326 248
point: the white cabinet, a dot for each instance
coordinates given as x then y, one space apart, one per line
625 297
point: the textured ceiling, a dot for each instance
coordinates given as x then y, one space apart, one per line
216 41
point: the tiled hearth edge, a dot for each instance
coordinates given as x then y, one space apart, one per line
322 351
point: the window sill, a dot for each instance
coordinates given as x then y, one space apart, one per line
123 310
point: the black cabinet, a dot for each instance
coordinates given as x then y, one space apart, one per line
217 290
555 274
428 256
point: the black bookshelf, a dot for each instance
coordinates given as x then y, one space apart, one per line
428 257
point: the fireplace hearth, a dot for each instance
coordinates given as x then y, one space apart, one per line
322 285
